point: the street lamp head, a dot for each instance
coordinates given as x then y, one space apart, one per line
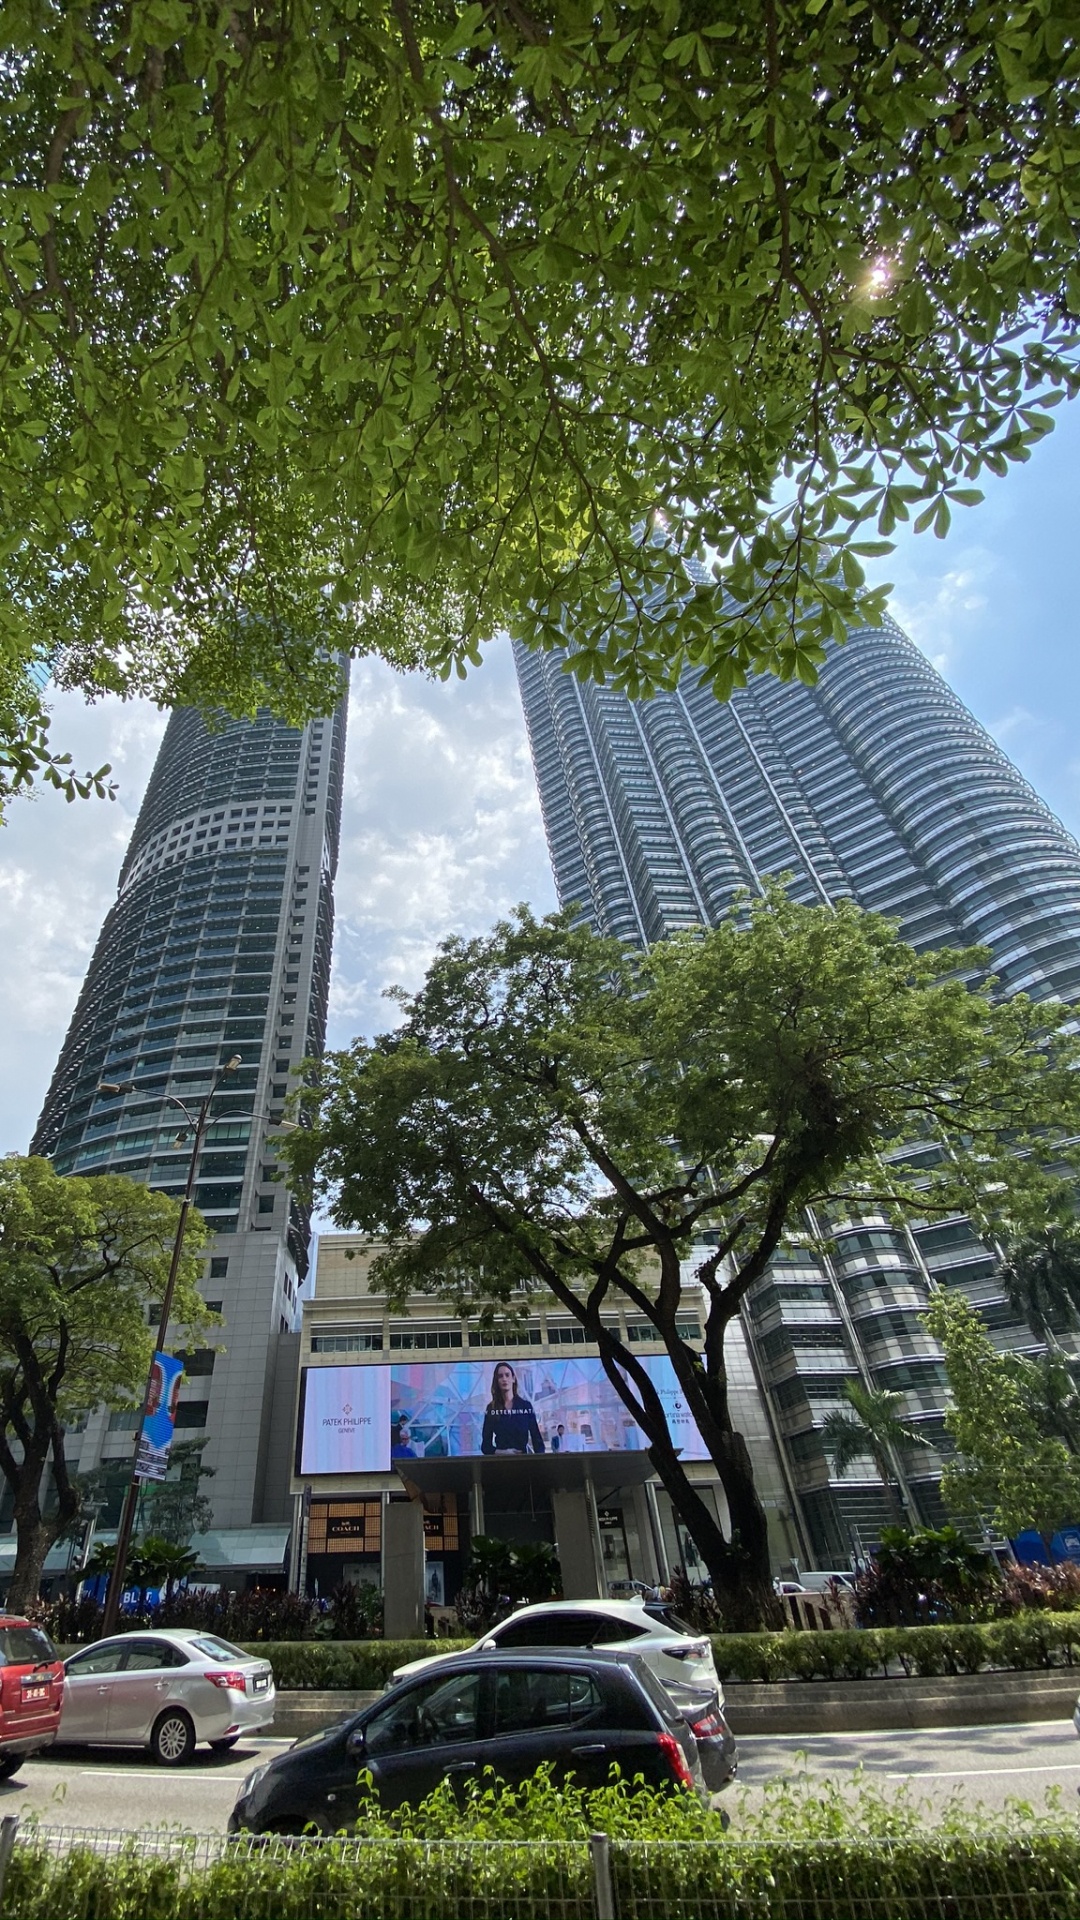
231 1065
182 1137
116 1086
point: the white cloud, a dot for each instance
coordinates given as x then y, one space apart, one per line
441 834
940 610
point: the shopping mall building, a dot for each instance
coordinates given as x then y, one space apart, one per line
398 1461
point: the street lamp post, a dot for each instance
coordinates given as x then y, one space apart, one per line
197 1126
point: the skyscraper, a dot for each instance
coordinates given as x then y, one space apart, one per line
878 785
218 944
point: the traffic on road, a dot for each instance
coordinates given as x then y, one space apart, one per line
95 1787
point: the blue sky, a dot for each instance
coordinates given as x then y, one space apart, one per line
441 829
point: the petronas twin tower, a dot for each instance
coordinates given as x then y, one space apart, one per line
877 785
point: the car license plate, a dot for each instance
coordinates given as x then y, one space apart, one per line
36 1693
262 1681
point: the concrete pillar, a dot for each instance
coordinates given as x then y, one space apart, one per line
649 1570
403 1570
663 1556
476 1501
577 1544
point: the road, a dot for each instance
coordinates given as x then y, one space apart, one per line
991 1764
121 1788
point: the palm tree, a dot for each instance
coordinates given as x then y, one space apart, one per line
156 1562
1041 1277
875 1426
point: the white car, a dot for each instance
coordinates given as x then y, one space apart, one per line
681 1659
165 1689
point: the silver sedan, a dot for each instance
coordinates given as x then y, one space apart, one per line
165 1690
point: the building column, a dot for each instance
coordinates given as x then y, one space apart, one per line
577 1543
403 1570
650 1570
476 1501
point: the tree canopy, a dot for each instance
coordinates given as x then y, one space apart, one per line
559 1112
80 1261
384 325
1016 1462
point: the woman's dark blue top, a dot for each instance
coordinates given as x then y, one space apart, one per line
512 1429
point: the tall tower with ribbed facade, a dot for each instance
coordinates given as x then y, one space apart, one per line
878 785
218 944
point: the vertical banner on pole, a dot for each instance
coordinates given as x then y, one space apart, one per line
160 1417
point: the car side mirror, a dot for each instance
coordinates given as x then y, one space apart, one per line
489 1646
354 1745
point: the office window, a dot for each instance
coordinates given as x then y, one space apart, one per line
192 1413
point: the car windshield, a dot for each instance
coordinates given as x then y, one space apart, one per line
216 1649
25 1646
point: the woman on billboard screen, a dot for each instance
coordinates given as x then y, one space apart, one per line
510 1425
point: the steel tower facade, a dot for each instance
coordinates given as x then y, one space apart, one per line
878 785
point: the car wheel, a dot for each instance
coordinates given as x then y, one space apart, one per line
173 1739
223 1745
10 1763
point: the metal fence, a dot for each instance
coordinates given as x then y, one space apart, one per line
76 1873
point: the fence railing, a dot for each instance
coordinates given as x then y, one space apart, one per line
79 1873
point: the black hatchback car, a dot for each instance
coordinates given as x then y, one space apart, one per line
511 1712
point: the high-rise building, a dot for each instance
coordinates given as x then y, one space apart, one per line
218 944
878 785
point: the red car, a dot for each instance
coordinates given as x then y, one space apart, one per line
31 1691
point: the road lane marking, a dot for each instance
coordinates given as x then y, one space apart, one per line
971 1773
155 1773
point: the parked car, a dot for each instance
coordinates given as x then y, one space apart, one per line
509 1711
166 1690
31 1691
681 1659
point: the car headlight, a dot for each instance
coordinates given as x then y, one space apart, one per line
253 1779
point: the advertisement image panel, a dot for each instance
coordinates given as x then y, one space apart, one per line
346 1420
159 1420
363 1419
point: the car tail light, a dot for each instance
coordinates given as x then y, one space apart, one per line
689 1650
707 1726
675 1758
228 1677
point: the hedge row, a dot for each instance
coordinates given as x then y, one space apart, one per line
981 1877
345 1663
1025 1642
1022 1643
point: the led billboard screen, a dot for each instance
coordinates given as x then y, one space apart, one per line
362 1419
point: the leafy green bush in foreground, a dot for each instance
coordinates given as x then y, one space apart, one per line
810 1847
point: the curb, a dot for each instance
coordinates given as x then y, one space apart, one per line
801 1706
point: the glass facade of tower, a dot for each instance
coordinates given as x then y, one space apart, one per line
878 785
219 943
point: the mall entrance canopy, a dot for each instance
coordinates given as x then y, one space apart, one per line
576 1485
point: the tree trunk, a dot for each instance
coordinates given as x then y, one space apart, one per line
742 1590
34 1536
745 1588
34 1533
739 1567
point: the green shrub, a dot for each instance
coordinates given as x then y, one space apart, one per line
346 1664
1023 1643
809 1848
